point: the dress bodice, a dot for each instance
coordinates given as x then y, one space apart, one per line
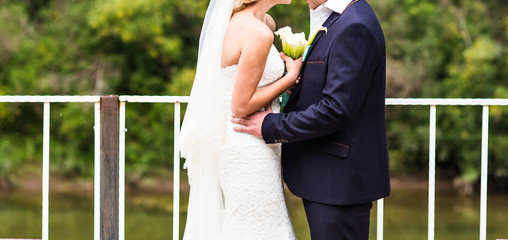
244 143
274 70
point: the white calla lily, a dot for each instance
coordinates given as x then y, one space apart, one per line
294 44
283 32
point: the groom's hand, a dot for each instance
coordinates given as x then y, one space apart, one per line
252 123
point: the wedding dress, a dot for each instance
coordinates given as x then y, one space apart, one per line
249 173
236 190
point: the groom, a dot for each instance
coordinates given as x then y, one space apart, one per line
334 151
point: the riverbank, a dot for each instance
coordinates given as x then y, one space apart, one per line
29 179
165 184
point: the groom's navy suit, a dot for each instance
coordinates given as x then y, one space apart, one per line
333 129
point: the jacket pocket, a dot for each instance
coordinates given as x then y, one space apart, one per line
330 147
314 75
316 59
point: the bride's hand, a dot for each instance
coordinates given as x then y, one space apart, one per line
293 67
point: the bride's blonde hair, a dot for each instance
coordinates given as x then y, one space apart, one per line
242 4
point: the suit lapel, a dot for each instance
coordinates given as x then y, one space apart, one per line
329 21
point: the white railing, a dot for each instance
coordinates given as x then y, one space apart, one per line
433 102
46 100
176 157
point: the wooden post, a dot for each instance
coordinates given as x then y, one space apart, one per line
109 167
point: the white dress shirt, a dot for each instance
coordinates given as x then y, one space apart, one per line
319 15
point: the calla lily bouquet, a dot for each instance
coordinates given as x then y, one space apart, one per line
295 45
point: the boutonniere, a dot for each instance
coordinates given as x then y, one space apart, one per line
295 45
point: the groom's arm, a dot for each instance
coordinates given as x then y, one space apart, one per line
351 66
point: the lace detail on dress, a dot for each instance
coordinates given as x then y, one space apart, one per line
250 174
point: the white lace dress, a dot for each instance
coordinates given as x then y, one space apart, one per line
250 175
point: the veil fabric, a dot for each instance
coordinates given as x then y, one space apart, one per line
203 129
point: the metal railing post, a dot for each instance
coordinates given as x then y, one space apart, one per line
97 172
121 172
45 174
176 175
109 167
432 172
484 173
380 215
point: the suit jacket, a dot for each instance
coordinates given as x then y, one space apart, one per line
333 128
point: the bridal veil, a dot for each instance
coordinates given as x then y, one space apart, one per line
203 128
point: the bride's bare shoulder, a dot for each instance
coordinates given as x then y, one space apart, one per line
249 28
245 34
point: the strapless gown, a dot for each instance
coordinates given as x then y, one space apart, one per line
250 174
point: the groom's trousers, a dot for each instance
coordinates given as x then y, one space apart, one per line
335 222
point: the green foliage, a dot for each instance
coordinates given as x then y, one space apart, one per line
138 22
444 48
295 15
94 47
407 133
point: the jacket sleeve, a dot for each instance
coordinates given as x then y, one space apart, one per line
351 66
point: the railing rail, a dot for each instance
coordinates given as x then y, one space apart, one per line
176 100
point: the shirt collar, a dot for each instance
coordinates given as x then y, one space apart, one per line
337 6
319 15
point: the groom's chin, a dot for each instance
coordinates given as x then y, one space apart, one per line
313 4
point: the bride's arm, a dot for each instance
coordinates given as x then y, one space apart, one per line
246 99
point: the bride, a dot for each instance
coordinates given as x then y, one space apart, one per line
236 186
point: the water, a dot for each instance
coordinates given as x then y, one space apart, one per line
149 216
